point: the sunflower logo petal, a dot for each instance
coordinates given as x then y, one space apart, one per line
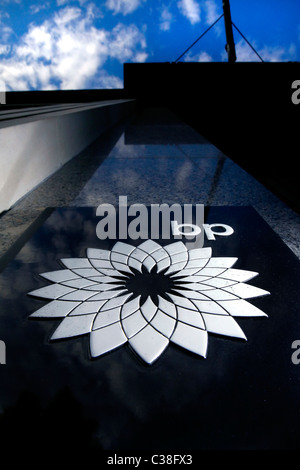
148 296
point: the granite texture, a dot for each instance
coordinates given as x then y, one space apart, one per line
152 157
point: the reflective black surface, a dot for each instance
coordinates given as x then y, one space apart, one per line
244 395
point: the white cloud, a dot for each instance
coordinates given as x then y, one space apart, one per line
165 19
66 2
140 57
123 6
211 9
123 40
36 8
268 53
5 32
4 49
277 53
190 9
67 15
200 57
104 80
67 51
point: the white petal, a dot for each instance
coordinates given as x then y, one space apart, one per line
163 264
123 248
106 339
193 278
103 287
198 253
239 275
133 324
149 246
220 294
197 263
101 263
194 286
221 262
191 294
75 263
174 248
182 301
188 272
119 258
131 306
208 306
245 291
176 267
78 295
149 263
167 307
98 254
122 267
191 317
163 323
179 257
211 272
241 308
160 255
100 279
60 276
86 272
149 344
55 309
191 338
53 291
135 264
223 325
80 283
219 282
74 326
148 309
87 307
109 294
106 317
138 254
110 272
116 302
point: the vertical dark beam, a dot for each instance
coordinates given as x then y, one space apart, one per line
230 47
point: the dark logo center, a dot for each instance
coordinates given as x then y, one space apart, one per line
149 284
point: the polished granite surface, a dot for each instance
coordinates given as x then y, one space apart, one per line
65 394
152 158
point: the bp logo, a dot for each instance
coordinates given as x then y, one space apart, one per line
148 296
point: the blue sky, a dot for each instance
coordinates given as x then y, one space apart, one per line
79 44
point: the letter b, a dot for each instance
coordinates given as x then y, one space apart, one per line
176 229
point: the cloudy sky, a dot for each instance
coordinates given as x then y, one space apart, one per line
78 44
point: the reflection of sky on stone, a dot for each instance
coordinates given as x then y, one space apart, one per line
143 180
142 171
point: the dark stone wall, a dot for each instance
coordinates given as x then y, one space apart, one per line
245 109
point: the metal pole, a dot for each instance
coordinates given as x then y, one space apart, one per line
230 47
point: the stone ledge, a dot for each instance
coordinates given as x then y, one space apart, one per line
36 142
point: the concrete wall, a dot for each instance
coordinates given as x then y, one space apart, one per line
31 149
